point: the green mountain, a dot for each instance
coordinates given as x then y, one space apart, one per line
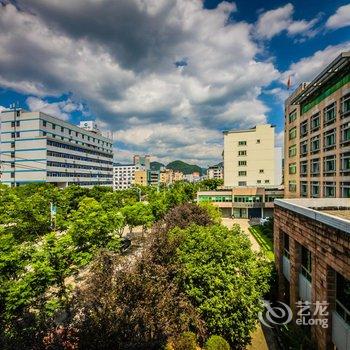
185 168
156 165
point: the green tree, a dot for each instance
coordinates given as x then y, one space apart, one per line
224 279
138 214
213 211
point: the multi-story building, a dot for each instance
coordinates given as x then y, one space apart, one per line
169 176
251 158
312 256
153 177
143 161
317 134
243 202
141 177
36 147
124 175
215 172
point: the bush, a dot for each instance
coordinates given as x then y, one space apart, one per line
186 341
216 342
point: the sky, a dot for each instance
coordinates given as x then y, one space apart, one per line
166 77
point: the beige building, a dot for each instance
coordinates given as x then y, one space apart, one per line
317 134
215 172
140 177
168 176
251 158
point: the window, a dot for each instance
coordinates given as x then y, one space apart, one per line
13 135
53 126
44 123
306 264
329 139
303 168
242 183
12 154
242 153
242 163
285 238
12 145
315 167
292 151
303 128
342 297
267 181
261 171
345 163
292 168
329 165
315 144
62 129
242 143
13 124
345 189
44 133
258 141
292 133
329 189
12 175
329 114
303 148
242 173
303 189
345 134
292 116
315 122
345 105
12 165
292 186
315 189
258 181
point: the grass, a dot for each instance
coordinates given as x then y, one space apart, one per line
263 240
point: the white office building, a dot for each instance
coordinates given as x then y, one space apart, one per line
124 175
251 158
215 172
36 147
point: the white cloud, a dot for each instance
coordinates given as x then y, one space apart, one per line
308 67
273 22
128 78
340 19
60 109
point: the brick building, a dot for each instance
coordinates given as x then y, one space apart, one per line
312 256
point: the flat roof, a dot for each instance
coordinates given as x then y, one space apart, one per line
225 132
334 212
333 68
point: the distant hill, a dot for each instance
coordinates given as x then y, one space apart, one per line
185 168
156 165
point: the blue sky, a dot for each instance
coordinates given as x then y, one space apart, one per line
166 76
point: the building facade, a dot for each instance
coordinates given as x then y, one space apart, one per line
169 176
142 161
251 158
317 135
36 147
312 247
243 202
215 172
124 176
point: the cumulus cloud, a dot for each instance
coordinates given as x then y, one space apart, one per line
307 68
340 19
119 58
61 109
273 22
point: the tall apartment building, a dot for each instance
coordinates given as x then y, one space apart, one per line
124 175
317 134
215 172
251 158
143 161
36 147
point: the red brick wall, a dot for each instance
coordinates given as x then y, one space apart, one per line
330 250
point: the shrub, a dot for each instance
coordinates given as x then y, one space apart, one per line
216 342
186 341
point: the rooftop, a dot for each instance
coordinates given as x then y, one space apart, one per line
225 132
334 212
304 91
